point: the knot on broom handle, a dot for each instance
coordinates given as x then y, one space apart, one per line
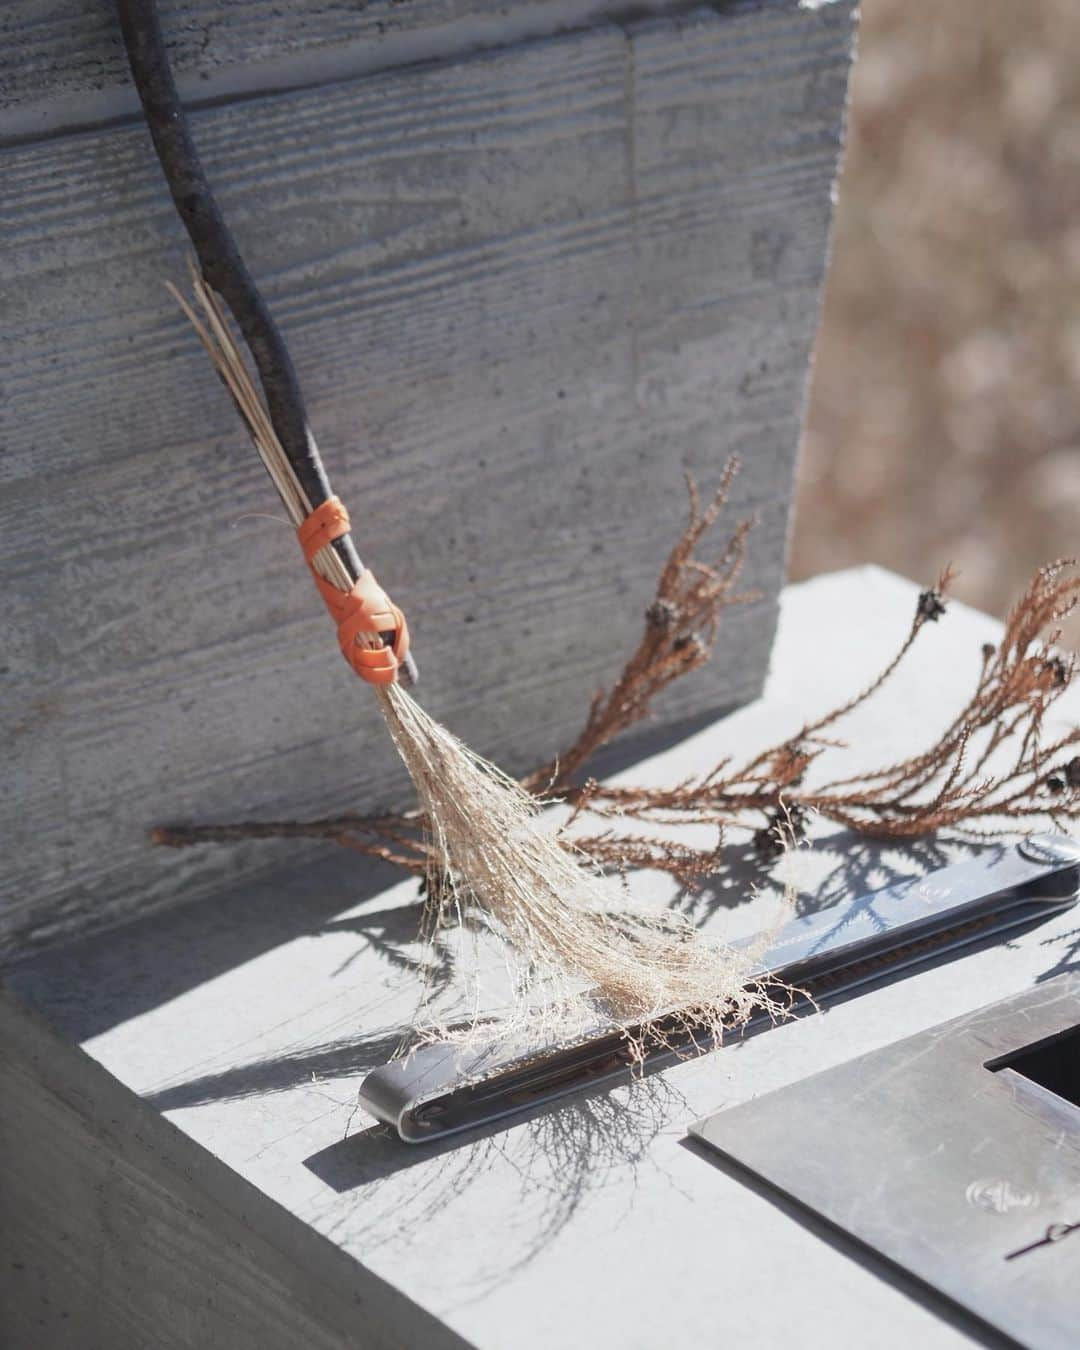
364 609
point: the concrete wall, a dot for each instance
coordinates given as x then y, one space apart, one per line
527 281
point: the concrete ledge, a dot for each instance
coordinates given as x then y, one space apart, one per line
263 1210
119 1233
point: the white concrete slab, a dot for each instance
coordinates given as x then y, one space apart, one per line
250 1021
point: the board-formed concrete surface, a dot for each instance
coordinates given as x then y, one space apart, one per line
525 289
247 1022
62 64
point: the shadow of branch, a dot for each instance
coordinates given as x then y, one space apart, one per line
856 866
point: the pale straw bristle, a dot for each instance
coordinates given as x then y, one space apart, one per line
572 933
492 858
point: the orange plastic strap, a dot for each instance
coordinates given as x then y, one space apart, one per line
364 609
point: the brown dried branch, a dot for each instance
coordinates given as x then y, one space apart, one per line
681 626
396 839
946 784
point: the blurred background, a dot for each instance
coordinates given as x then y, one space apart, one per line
944 416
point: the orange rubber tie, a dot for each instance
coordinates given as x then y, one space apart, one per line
366 608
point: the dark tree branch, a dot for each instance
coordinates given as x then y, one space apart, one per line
220 260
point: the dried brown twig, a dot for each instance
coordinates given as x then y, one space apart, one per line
992 768
681 627
949 784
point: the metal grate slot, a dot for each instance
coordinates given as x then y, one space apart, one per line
1054 1064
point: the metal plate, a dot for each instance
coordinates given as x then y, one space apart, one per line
951 1153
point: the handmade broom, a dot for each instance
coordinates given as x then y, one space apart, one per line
490 858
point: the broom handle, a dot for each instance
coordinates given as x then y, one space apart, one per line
222 265
220 260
